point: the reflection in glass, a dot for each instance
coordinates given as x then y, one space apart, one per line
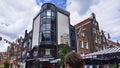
47 52
48 13
47 26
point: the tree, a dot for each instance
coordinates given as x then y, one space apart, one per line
10 65
6 64
63 50
114 66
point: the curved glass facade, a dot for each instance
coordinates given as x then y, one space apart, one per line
47 24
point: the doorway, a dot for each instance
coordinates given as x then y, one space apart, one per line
47 65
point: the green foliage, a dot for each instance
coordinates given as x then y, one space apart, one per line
63 50
0 58
10 65
6 64
114 66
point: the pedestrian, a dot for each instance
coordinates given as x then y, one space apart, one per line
73 60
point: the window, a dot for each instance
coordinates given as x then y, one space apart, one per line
95 39
47 36
42 27
86 45
53 14
94 30
103 39
81 44
43 14
47 52
45 32
99 40
47 26
83 34
82 54
48 13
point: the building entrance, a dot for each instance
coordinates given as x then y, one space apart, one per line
47 65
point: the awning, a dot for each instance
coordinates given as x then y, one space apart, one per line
106 56
55 61
105 51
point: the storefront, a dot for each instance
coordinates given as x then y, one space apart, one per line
41 63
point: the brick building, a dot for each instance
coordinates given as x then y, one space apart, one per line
112 43
89 37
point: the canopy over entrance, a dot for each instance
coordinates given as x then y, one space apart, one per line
106 56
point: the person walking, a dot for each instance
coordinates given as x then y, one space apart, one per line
73 60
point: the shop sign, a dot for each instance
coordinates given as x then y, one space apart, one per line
45 59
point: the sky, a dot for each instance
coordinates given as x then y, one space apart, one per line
17 15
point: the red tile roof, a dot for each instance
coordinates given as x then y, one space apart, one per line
82 23
112 42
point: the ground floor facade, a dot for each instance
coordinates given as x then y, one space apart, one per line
41 63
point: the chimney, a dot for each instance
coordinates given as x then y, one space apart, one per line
93 16
26 33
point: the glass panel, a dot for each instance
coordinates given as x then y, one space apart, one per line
48 13
53 13
43 27
52 36
48 32
44 13
48 20
52 51
48 26
43 37
42 52
47 37
47 52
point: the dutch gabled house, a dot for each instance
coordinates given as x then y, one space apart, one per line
89 36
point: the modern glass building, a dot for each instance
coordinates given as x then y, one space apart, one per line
51 27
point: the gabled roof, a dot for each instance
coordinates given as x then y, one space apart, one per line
84 22
112 42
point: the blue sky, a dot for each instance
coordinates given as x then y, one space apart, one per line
60 3
16 16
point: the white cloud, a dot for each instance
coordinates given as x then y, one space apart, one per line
107 14
3 47
15 17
